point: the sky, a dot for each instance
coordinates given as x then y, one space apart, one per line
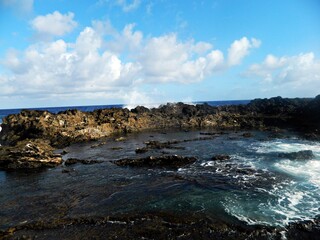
100 52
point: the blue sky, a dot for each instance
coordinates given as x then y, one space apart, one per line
67 53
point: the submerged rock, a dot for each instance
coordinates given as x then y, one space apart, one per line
29 154
301 155
161 161
220 157
71 161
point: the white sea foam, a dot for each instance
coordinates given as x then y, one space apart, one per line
294 199
281 205
309 170
285 146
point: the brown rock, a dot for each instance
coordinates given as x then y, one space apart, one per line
29 154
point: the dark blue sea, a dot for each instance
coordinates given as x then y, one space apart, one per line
6 112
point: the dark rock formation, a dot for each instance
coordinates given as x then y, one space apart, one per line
301 155
247 135
71 161
73 126
29 154
154 225
174 161
304 230
67 127
220 157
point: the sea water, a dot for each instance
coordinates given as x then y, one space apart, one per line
255 186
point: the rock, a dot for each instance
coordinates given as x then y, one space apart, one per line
71 161
207 133
141 150
75 126
161 161
247 135
301 155
98 145
61 129
28 154
120 139
116 148
308 230
220 157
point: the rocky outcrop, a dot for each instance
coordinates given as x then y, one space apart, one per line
220 157
64 128
71 161
173 161
300 155
29 154
156 225
74 126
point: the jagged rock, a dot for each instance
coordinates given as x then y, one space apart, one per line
120 139
141 150
161 161
71 161
220 157
116 148
29 154
75 126
71 126
301 155
247 135
309 230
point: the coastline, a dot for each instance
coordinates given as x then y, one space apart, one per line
31 140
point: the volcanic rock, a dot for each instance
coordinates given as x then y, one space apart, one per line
174 161
220 157
29 154
71 161
301 155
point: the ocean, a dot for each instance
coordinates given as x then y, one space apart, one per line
6 112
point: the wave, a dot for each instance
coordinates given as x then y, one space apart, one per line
293 196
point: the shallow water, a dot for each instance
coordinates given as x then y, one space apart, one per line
255 186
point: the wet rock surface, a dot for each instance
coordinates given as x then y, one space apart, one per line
300 155
71 161
174 161
156 225
220 157
29 154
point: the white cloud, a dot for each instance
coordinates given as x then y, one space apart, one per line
294 72
240 48
166 59
21 6
54 24
128 7
104 62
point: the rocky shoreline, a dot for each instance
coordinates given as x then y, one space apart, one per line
157 225
29 138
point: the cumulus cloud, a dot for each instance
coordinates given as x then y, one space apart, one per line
104 62
240 48
296 72
166 59
54 24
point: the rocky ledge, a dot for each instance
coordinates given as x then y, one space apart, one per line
29 154
157 225
30 136
173 161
